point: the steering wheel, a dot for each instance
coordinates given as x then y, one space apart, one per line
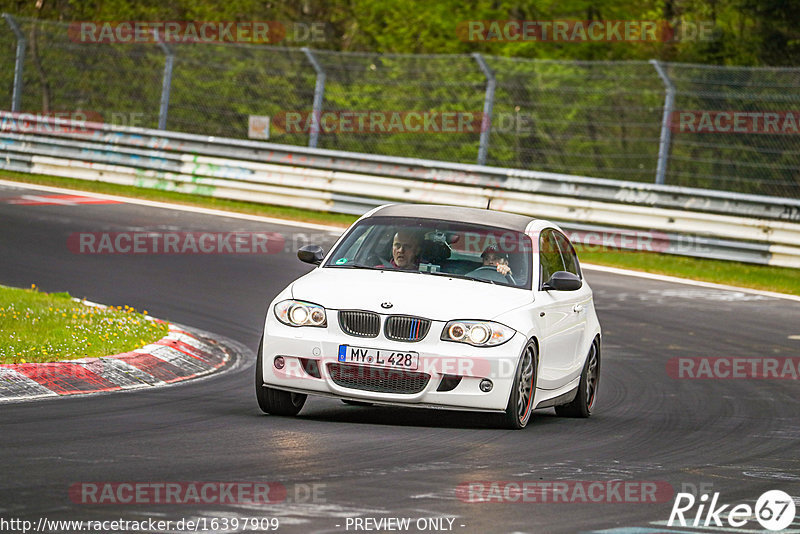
373 260
493 269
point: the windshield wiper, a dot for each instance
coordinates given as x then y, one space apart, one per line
462 276
353 265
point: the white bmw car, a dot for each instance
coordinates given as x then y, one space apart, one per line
436 307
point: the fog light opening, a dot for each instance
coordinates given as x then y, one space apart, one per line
279 362
486 385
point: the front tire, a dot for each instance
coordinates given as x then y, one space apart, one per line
274 401
520 401
583 404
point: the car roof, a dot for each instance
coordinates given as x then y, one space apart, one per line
512 221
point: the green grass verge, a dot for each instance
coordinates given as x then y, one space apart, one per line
782 280
47 327
779 279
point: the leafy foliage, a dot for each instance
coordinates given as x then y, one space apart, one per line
745 32
590 108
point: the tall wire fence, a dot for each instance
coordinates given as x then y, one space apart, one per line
603 119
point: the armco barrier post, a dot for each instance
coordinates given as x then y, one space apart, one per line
319 93
669 105
488 104
166 83
19 61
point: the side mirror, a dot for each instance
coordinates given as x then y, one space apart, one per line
312 254
563 281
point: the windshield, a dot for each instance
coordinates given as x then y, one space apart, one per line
440 248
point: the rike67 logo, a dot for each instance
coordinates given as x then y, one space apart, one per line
774 510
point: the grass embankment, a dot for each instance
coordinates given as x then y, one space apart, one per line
764 277
47 327
783 280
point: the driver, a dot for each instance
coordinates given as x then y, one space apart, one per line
405 250
493 257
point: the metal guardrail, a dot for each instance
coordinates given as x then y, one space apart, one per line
641 121
685 221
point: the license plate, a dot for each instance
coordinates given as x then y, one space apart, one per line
395 359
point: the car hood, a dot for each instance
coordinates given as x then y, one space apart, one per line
435 297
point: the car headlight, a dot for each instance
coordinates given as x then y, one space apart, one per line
477 333
299 313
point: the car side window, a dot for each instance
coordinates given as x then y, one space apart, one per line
568 256
549 256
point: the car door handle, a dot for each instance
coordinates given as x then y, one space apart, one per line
578 308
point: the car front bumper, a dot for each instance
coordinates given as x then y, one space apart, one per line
439 360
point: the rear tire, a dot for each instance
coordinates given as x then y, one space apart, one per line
583 404
274 401
520 401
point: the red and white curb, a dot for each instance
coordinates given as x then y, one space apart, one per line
181 355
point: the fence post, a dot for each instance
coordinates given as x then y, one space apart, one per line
16 96
488 105
666 135
166 82
319 93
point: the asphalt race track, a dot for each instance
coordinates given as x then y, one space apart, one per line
738 437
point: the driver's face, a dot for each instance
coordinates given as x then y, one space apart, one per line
491 259
404 250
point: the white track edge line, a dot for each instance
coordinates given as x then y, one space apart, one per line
687 281
177 207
